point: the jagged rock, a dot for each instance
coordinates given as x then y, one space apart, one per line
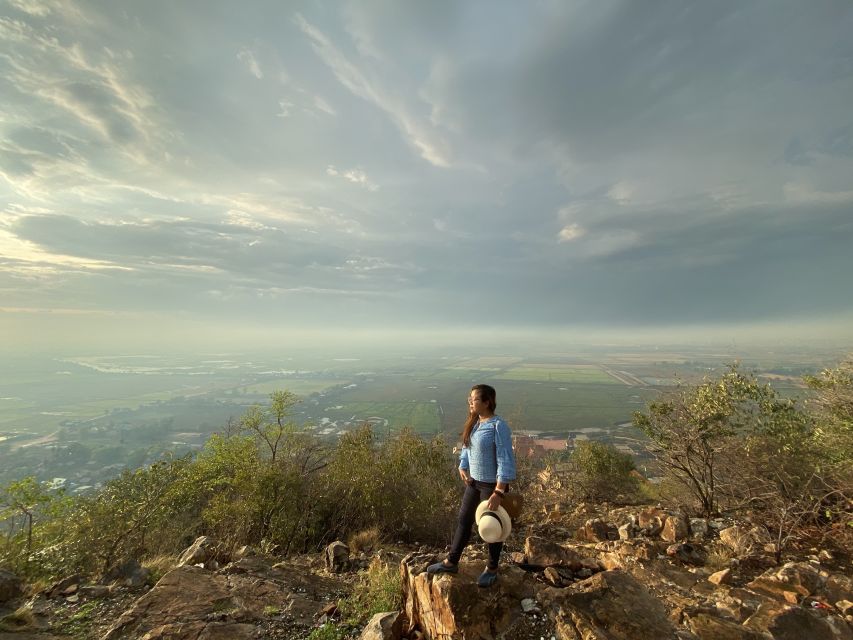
845 607
553 577
95 591
65 587
721 577
451 607
786 622
129 574
651 520
626 531
203 550
708 627
597 530
793 581
10 586
674 528
698 528
839 587
609 606
337 557
544 553
686 553
383 626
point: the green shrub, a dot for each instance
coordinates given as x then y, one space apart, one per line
601 472
328 631
377 590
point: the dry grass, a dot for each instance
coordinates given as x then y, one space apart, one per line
365 541
159 566
719 557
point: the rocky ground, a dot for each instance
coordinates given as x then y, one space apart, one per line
585 573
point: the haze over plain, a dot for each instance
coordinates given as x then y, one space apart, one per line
197 170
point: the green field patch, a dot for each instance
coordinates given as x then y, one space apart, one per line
421 416
453 373
486 363
299 386
578 375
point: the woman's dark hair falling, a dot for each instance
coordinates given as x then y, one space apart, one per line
488 395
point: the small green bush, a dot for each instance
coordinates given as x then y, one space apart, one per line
328 631
377 590
601 472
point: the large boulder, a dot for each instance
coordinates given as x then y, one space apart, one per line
451 607
10 586
786 622
609 606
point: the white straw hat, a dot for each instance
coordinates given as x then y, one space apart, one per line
494 526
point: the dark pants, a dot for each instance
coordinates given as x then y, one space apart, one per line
474 494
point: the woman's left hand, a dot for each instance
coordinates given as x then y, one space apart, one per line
494 502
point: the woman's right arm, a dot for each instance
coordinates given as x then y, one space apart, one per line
464 466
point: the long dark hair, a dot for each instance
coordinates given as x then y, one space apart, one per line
489 396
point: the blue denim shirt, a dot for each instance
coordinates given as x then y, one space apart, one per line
490 457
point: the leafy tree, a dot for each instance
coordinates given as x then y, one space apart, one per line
691 427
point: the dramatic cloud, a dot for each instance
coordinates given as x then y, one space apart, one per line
416 164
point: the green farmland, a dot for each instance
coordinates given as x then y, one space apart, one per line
542 373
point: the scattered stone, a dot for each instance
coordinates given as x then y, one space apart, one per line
839 587
674 528
626 531
721 577
651 521
686 553
383 626
544 553
698 528
845 607
597 530
528 605
337 557
518 557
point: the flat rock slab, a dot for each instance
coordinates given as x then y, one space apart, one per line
194 604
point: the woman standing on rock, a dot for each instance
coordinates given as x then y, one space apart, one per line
486 466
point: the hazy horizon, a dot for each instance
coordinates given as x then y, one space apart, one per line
187 175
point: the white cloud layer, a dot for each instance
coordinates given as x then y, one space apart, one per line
606 163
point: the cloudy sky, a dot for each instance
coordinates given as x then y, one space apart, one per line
426 164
